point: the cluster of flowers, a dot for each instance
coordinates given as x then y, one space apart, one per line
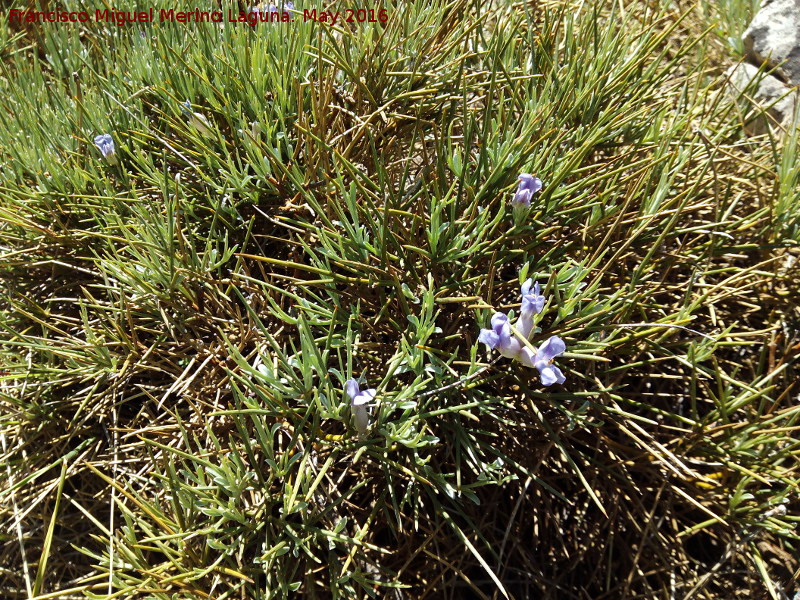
510 342
513 342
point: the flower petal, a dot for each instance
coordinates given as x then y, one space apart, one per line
504 334
105 143
524 324
526 356
489 337
553 347
499 320
361 417
529 183
351 387
550 375
364 397
532 303
559 375
522 197
509 347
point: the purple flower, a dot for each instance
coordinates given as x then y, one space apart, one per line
528 186
500 338
543 361
521 202
532 304
358 403
105 143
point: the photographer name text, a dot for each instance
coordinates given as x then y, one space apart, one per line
252 18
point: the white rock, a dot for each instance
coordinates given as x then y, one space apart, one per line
774 37
777 101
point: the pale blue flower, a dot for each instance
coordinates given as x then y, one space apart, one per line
358 403
501 338
528 186
105 143
532 304
521 202
532 301
543 361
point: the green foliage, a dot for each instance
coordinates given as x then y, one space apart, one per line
177 329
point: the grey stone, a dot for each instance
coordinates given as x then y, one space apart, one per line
776 100
774 37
